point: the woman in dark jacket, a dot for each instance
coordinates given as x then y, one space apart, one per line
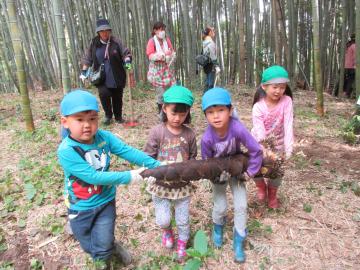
110 51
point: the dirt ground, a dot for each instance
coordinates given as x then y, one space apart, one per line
317 226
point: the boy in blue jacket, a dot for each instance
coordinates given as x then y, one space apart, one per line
90 187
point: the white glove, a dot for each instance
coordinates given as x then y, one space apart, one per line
224 177
157 57
150 180
217 69
135 175
83 78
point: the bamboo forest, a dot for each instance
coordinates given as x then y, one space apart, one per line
179 134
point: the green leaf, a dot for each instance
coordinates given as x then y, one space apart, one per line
193 253
30 191
201 242
192 264
307 208
22 223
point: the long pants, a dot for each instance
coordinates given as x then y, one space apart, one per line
163 215
271 182
349 81
238 190
209 80
94 229
111 101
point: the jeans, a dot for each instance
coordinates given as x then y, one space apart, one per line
238 190
163 215
94 229
111 101
209 80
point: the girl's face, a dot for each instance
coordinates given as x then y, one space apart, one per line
219 117
83 126
274 91
174 119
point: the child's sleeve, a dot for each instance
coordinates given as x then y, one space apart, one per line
152 145
254 151
133 155
206 149
258 130
193 147
73 164
288 128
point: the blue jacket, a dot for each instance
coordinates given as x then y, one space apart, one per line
88 181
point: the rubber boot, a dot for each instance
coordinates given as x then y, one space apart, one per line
261 191
272 199
181 250
122 253
238 246
217 235
167 238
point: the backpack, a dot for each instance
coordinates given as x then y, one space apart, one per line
203 59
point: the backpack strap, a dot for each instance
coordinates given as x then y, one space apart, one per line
80 151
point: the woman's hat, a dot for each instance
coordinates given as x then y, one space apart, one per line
178 94
275 74
102 25
78 101
215 96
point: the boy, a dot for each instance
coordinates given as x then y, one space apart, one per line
90 187
224 137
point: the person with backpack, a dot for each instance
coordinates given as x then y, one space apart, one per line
212 68
111 57
161 56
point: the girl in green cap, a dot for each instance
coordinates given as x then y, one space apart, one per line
172 141
272 116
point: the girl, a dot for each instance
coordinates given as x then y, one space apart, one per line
173 141
225 136
161 56
272 115
209 48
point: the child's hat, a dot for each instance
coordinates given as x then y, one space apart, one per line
178 94
275 74
215 96
78 100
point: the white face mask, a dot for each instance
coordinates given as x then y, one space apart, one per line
161 34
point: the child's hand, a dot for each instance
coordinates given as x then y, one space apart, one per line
224 177
246 176
135 176
150 180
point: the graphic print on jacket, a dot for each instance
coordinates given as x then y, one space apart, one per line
82 189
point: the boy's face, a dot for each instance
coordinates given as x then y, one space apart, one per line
218 117
83 125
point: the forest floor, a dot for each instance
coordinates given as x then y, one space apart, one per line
317 226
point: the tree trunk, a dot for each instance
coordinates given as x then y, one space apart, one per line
357 41
65 77
241 41
19 59
317 60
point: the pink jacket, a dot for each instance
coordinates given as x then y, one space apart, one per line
277 122
150 48
350 56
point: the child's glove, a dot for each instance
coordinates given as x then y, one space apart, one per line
135 176
150 180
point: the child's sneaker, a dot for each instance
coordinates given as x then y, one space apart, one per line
167 239
181 249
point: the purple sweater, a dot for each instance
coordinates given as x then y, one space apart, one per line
214 146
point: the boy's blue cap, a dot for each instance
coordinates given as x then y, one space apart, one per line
78 100
215 96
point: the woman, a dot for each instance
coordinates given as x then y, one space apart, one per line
209 49
350 65
161 55
110 51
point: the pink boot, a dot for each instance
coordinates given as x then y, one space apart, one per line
167 238
273 201
261 191
181 249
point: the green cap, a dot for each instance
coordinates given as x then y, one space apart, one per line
275 74
178 94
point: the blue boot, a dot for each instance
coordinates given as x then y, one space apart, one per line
238 246
217 235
